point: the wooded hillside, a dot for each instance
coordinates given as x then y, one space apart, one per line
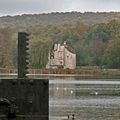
94 36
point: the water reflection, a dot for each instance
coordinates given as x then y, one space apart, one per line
62 91
88 100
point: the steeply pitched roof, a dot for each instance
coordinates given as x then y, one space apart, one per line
69 48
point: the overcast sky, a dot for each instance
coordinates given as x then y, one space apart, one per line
15 7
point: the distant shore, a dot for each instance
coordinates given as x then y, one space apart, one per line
67 72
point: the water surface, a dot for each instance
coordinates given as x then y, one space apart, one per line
86 99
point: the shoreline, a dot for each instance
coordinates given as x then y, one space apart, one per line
81 72
62 76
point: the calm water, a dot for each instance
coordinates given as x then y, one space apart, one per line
87 99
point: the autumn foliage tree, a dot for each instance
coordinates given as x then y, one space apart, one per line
95 44
6 56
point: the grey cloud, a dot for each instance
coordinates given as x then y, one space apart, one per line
41 6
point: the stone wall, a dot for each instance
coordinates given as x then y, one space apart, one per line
62 58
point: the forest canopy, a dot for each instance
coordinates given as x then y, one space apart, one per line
95 44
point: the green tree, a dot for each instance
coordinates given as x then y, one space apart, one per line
39 49
112 54
95 43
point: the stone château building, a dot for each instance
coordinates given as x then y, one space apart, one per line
62 56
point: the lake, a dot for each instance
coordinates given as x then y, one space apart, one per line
86 99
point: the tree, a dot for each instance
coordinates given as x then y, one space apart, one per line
39 49
6 56
112 54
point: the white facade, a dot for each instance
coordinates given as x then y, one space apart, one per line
62 56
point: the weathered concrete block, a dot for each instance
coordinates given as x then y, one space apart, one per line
24 99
